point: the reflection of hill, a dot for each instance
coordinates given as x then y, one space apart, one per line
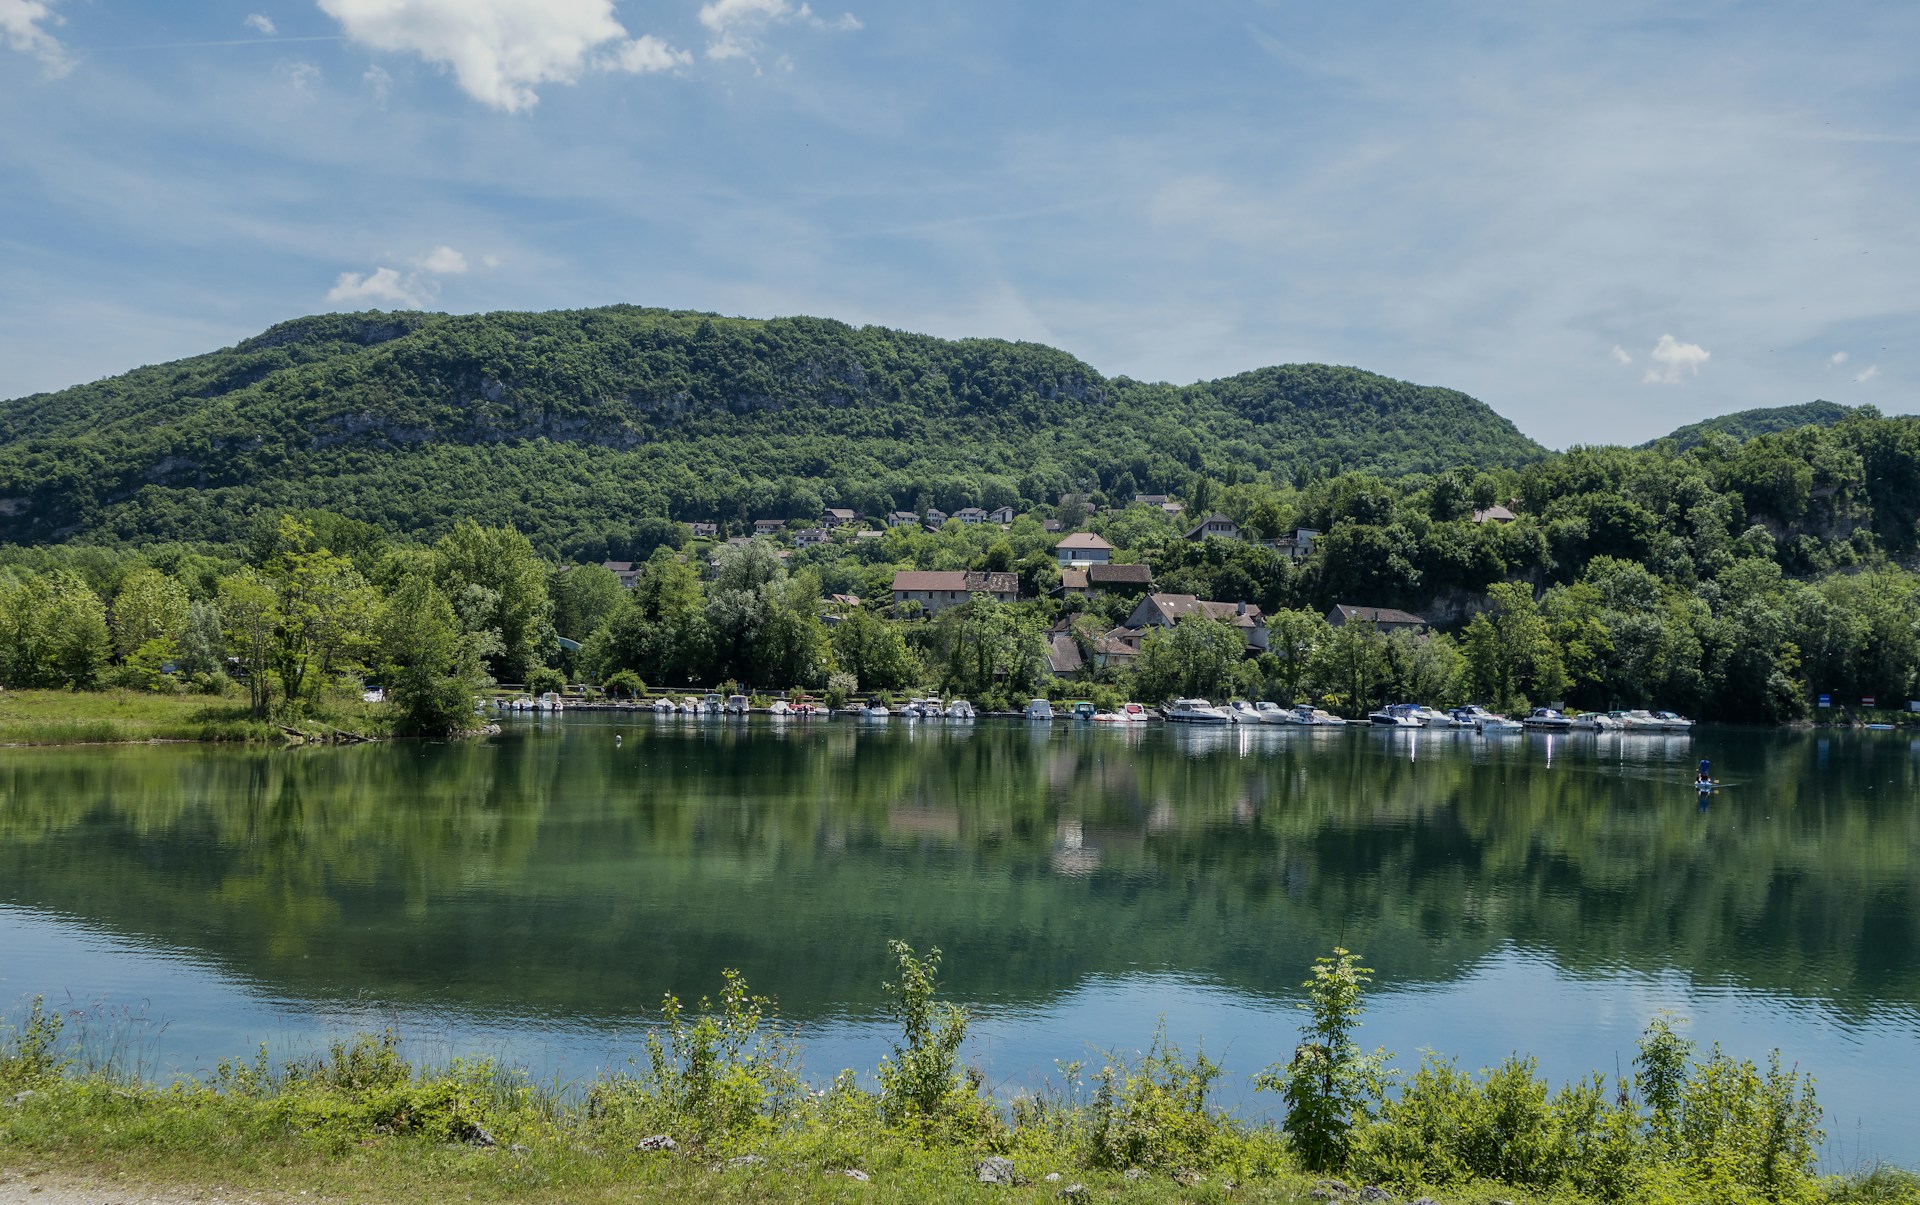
559 872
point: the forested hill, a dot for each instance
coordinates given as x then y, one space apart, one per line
1748 424
562 423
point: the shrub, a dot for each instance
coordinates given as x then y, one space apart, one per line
543 679
1153 1113
30 1055
723 1069
920 1082
624 685
1330 1085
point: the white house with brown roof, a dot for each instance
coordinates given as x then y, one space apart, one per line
1165 610
625 571
1000 514
937 589
1386 619
811 537
836 516
1083 548
769 527
1494 514
902 518
704 530
1215 524
971 515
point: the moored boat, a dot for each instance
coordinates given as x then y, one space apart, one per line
1269 712
1039 709
1546 719
1242 712
960 709
1196 711
1135 713
1395 715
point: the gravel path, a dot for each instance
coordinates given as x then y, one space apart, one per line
56 1188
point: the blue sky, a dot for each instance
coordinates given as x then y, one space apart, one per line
1602 219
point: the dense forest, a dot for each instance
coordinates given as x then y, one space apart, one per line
570 426
422 502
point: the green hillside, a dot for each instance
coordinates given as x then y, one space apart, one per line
1748 424
562 423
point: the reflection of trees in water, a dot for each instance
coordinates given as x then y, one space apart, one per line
561 871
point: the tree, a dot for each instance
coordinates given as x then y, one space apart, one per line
1349 668
1511 655
498 586
431 669
583 597
1197 657
53 630
874 652
323 614
150 606
250 609
1294 639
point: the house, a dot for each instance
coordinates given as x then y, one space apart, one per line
847 601
1152 499
902 518
1063 655
1120 578
1384 618
1118 648
1002 515
769 527
811 537
1051 526
868 534
936 518
704 531
937 589
1296 546
1073 581
836 516
624 570
1083 548
1494 514
970 515
1215 524
1165 610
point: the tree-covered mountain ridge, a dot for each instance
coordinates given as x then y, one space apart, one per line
564 420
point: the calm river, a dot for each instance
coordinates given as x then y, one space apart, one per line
533 896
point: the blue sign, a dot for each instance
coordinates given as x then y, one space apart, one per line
1826 700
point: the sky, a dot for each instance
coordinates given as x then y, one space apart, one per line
1602 219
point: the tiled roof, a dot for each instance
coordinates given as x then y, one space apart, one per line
1086 540
1377 615
1119 575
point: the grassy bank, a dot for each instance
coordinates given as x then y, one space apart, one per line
714 1108
64 717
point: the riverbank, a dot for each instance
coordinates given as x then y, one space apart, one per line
62 717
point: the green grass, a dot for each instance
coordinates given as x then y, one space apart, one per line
61 717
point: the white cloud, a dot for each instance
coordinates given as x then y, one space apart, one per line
1873 370
303 76
502 50
442 261
1620 355
647 53
382 285
1674 358
261 24
1837 358
735 22
378 82
490 261
21 28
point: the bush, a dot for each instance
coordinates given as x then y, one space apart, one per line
30 1055
1330 1085
920 1083
624 685
543 679
1153 1113
722 1070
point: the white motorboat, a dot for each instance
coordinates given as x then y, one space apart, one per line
1196 711
1670 722
779 708
1269 712
735 705
960 709
1135 713
550 701
1481 720
1039 709
929 709
1396 715
1242 712
663 706
876 711
1314 717
1595 721
1431 717
907 711
1546 719
691 706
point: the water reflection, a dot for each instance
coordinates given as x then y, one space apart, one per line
560 873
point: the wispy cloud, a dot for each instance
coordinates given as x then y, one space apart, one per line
1621 355
1675 359
1872 371
502 51
442 261
735 25
1837 359
23 26
261 24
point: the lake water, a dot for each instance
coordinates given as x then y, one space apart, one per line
533 896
